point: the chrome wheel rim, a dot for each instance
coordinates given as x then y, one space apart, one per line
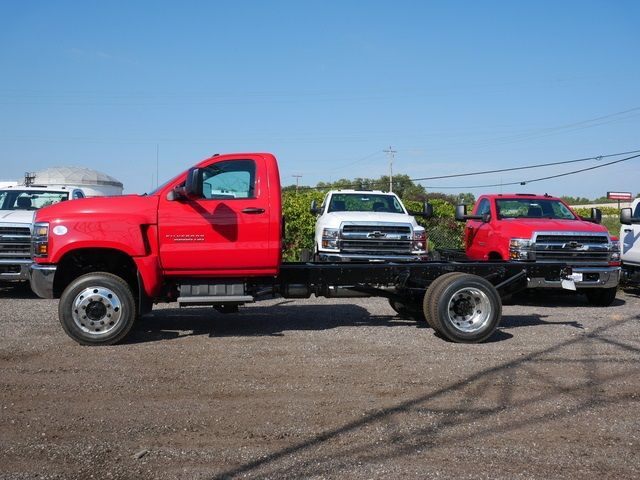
97 310
469 310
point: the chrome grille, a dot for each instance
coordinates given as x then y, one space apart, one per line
15 242
376 239
573 248
365 229
543 238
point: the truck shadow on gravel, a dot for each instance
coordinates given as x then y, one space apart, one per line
484 406
167 324
555 298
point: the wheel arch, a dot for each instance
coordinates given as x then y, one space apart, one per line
86 260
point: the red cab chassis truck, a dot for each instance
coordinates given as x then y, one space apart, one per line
212 236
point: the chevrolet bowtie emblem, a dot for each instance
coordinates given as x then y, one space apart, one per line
376 234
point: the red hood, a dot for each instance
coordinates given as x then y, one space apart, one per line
143 208
524 227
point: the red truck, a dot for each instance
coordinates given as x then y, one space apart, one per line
543 229
213 236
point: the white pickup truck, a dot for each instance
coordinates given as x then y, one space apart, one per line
630 243
368 226
18 205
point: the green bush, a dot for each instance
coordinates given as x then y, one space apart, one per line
299 222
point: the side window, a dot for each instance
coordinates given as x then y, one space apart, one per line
484 207
229 180
636 212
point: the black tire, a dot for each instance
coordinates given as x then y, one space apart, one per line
601 297
429 294
97 309
464 308
407 310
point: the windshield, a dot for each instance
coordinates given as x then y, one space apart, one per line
532 208
362 202
29 199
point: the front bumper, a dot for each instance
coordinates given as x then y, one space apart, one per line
354 257
593 277
41 278
14 270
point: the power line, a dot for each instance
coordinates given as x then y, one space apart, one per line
539 165
573 172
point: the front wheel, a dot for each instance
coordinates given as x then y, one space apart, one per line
601 297
97 309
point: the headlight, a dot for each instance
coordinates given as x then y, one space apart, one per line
330 238
40 240
419 241
615 252
520 249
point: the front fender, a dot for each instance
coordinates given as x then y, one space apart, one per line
114 233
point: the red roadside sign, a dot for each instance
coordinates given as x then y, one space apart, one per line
619 196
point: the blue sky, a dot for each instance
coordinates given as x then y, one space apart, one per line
327 86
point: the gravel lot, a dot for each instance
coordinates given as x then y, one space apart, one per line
323 389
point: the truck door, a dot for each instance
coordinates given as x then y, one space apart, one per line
630 239
226 231
477 233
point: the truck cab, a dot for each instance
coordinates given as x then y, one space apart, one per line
543 229
355 225
630 242
18 205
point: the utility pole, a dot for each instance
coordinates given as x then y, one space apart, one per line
391 152
297 177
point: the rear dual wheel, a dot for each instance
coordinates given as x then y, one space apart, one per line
463 308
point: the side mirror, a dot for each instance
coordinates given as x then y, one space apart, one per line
193 185
461 215
626 218
427 210
314 210
596 215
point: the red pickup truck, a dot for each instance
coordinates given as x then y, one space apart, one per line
543 229
213 236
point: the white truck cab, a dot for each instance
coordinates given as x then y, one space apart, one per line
630 243
358 225
18 205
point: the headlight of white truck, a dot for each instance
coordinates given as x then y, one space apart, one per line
330 238
520 249
419 241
